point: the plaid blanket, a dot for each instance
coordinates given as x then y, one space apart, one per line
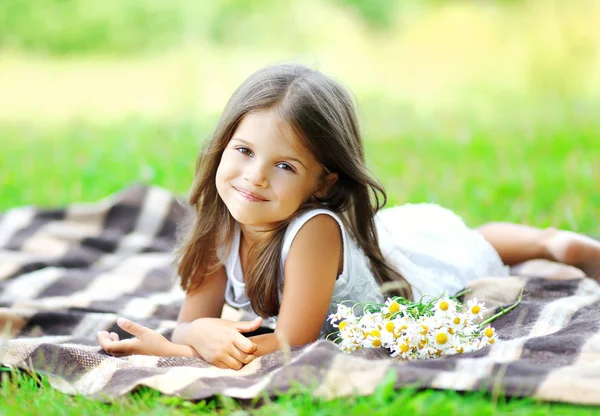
66 274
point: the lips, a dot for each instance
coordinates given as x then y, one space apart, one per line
251 196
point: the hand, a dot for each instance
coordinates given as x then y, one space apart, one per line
147 341
220 342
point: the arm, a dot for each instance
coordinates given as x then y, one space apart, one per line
310 273
205 302
200 332
146 341
311 269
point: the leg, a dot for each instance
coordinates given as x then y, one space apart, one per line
548 269
519 243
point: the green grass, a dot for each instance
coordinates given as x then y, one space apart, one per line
545 174
545 177
21 393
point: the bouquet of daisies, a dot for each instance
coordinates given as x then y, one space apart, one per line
416 330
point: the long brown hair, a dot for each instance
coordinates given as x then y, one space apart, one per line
322 115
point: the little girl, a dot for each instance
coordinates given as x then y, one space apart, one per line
287 225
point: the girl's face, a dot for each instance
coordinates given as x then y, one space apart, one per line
265 175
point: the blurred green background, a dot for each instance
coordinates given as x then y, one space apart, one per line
491 108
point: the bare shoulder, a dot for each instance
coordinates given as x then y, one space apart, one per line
319 236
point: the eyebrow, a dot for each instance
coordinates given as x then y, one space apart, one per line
283 157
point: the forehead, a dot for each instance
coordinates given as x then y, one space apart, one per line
265 129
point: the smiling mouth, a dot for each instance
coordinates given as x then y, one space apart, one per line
249 195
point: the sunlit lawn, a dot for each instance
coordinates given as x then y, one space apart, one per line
543 176
21 394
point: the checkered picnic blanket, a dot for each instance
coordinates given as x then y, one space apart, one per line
67 273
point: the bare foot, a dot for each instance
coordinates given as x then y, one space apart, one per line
576 250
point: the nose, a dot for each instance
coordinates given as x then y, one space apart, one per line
255 175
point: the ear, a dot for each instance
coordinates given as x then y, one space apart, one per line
326 184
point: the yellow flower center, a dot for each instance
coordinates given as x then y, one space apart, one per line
451 331
375 333
475 310
491 341
394 307
377 343
389 327
489 332
438 352
343 325
444 305
425 329
404 347
441 338
456 320
460 350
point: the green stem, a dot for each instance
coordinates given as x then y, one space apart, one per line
503 311
330 334
462 292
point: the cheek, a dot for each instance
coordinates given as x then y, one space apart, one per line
221 176
293 191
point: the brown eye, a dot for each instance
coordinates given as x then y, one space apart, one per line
285 166
244 151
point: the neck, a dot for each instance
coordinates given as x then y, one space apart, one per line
250 235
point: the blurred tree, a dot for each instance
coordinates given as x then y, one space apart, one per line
377 13
60 27
79 26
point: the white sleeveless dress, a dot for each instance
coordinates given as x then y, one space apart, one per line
428 245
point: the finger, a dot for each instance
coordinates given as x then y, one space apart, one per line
248 326
249 358
132 327
241 356
114 336
244 344
123 347
102 337
104 340
220 364
118 348
231 362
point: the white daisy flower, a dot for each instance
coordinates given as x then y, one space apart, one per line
475 309
455 324
456 345
440 338
388 338
391 307
401 348
445 306
427 351
343 313
489 335
445 327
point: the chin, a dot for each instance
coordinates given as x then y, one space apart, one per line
242 216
